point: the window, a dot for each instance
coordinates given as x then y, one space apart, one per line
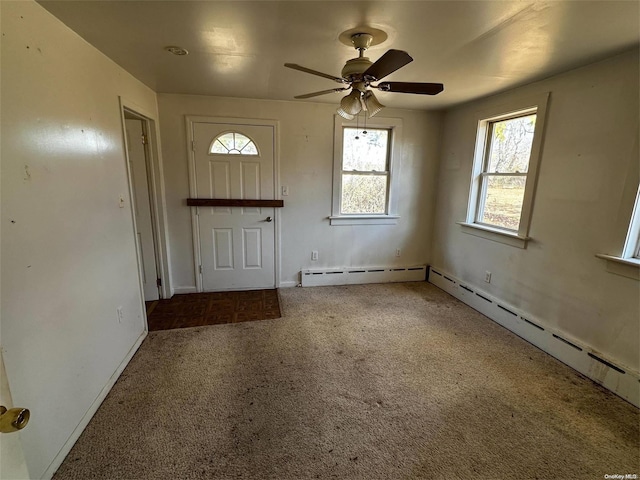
363 171
507 153
631 249
628 262
233 143
504 173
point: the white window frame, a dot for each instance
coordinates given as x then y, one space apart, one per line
516 108
631 251
395 138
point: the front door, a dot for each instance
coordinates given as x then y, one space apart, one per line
237 244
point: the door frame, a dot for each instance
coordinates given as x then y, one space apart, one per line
190 120
157 200
135 162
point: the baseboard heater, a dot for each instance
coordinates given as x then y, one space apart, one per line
319 277
586 360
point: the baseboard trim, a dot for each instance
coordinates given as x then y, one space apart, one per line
609 373
66 448
288 284
181 290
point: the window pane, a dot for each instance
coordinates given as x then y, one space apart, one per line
227 140
503 201
368 152
249 149
240 140
218 147
364 193
510 146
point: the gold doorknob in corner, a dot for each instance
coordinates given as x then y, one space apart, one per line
13 419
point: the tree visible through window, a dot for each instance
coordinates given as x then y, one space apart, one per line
504 174
365 171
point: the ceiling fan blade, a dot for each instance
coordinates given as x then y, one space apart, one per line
314 72
323 92
411 87
388 63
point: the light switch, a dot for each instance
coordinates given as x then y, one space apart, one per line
285 190
121 198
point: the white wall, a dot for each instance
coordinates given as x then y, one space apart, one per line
306 165
68 254
586 186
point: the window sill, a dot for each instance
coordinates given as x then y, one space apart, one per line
364 219
627 267
494 234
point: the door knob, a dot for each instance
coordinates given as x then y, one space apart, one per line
14 419
268 219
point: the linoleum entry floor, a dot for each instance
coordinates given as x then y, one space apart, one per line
200 309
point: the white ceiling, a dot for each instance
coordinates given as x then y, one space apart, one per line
238 48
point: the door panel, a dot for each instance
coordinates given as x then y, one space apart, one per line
237 244
220 178
223 249
252 247
250 178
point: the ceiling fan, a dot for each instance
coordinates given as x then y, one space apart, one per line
359 73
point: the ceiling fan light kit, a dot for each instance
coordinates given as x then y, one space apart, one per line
372 103
351 103
359 74
345 115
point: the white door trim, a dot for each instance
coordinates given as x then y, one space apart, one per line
156 193
189 121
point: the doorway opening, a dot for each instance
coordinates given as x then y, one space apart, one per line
145 216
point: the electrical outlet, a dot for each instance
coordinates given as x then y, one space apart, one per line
120 314
397 252
487 276
314 255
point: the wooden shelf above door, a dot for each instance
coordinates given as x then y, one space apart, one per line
223 202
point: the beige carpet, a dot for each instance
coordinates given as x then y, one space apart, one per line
361 382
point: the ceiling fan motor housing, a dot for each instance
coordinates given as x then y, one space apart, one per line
355 67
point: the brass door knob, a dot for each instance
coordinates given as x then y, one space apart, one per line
268 219
13 419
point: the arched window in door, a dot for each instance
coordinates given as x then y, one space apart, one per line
233 143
